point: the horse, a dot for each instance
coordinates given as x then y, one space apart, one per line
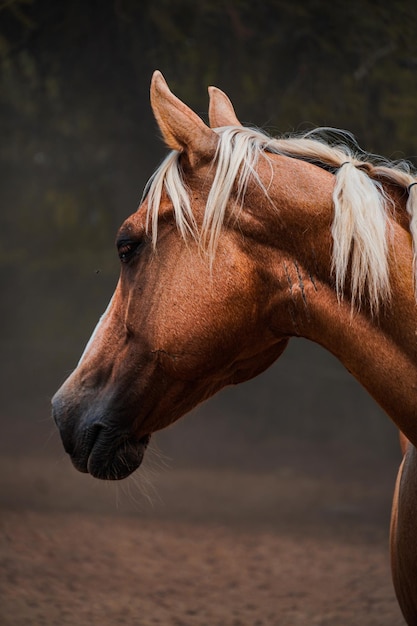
241 242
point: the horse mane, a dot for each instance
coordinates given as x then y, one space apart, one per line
361 205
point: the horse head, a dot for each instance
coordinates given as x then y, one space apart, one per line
194 307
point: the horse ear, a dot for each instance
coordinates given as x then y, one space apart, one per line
181 128
221 111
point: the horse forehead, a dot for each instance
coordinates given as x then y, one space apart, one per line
141 217
135 221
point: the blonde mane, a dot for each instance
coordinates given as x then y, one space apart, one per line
361 207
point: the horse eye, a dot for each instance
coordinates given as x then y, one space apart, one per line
126 249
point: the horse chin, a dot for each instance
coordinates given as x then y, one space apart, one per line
114 460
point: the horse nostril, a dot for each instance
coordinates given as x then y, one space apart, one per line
92 433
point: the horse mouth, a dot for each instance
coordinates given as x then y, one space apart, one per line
107 456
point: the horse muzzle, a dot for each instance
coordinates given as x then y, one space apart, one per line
94 441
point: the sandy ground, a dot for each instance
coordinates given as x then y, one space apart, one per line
192 546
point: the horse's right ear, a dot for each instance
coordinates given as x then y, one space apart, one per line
221 111
181 128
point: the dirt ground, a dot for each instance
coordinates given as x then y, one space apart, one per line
195 547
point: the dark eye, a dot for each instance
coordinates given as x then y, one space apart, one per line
126 250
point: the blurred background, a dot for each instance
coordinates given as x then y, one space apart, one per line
78 143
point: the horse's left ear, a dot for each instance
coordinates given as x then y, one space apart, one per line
221 111
181 128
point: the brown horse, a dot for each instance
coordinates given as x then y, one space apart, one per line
243 241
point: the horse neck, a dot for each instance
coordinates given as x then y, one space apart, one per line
380 351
